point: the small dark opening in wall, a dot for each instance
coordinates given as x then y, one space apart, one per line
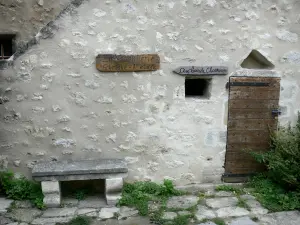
6 46
197 87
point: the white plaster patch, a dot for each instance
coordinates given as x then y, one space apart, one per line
66 143
285 35
291 57
111 138
63 119
91 84
211 3
159 37
79 98
131 136
129 98
37 96
131 160
197 2
105 100
38 109
251 15
99 13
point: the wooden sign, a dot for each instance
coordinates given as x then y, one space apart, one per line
127 63
205 70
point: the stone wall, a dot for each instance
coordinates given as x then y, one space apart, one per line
26 18
58 106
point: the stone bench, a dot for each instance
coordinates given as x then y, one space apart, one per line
51 173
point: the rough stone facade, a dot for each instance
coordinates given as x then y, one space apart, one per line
26 18
58 106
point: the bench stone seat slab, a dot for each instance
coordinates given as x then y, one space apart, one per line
82 167
51 173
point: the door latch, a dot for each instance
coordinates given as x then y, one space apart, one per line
276 112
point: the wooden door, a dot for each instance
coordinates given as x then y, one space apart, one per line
252 114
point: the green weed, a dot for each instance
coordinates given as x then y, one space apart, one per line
218 221
138 194
242 203
236 190
80 220
21 189
273 196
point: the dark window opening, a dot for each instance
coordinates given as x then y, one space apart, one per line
197 87
6 46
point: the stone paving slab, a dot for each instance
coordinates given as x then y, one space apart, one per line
93 202
221 202
126 212
243 221
169 215
204 213
130 221
24 215
281 218
108 213
232 212
207 223
4 204
79 167
182 202
90 212
4 220
53 220
59 212
224 194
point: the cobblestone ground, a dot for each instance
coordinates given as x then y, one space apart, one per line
233 210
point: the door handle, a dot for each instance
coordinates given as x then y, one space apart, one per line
276 112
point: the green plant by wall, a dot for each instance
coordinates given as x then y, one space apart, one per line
283 159
21 189
138 195
229 188
273 196
80 220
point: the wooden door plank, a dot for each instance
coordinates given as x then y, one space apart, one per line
236 147
252 104
248 113
252 124
256 79
274 95
248 137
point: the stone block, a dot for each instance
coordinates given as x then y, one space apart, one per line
96 202
52 220
108 213
126 212
112 199
113 185
113 190
169 215
52 200
221 202
204 213
232 212
24 215
182 202
243 221
4 204
82 167
59 212
90 212
51 187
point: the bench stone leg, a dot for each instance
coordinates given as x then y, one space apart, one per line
113 190
52 193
